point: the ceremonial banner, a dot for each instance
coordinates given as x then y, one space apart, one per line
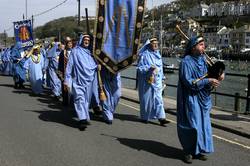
117 32
23 33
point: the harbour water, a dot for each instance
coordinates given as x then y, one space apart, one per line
231 84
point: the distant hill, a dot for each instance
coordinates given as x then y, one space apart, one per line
66 26
186 4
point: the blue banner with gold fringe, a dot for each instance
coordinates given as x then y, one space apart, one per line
117 32
23 33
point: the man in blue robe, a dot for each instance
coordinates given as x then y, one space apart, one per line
18 59
35 65
52 66
194 103
150 76
112 90
81 71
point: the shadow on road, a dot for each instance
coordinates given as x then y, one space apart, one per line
64 117
7 85
151 146
230 117
127 117
133 118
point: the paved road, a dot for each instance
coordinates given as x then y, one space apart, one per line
37 131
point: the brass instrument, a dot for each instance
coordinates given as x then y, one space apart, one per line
28 53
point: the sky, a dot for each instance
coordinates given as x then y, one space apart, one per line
13 10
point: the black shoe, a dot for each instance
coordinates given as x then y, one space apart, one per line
82 125
144 121
15 86
57 98
188 158
21 86
109 122
163 122
200 157
97 111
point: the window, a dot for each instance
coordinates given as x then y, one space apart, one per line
247 40
248 33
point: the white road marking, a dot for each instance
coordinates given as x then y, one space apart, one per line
216 136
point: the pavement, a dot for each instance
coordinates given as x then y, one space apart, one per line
237 124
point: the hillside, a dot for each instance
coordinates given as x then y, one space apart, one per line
66 26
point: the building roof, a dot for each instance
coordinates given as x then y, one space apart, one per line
224 30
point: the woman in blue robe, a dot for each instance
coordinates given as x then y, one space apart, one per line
6 62
52 66
112 90
150 76
194 103
81 70
19 72
35 65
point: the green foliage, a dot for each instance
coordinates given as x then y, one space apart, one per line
66 26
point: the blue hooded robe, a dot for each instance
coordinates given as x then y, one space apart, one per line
112 89
6 66
194 105
19 72
35 73
81 71
52 65
95 100
150 95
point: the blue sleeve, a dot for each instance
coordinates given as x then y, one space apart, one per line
69 69
27 64
187 78
143 65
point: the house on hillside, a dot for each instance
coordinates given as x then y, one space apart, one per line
223 38
197 11
240 38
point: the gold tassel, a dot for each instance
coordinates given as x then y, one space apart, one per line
151 79
102 94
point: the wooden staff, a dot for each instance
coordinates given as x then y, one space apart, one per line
102 94
208 59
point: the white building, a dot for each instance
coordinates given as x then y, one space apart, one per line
240 38
223 38
197 11
237 8
210 36
215 9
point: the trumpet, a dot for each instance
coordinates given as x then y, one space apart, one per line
27 54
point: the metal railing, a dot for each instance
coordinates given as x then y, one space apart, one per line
237 97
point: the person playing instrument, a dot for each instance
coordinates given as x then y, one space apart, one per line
18 59
194 102
35 65
63 60
150 76
81 70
